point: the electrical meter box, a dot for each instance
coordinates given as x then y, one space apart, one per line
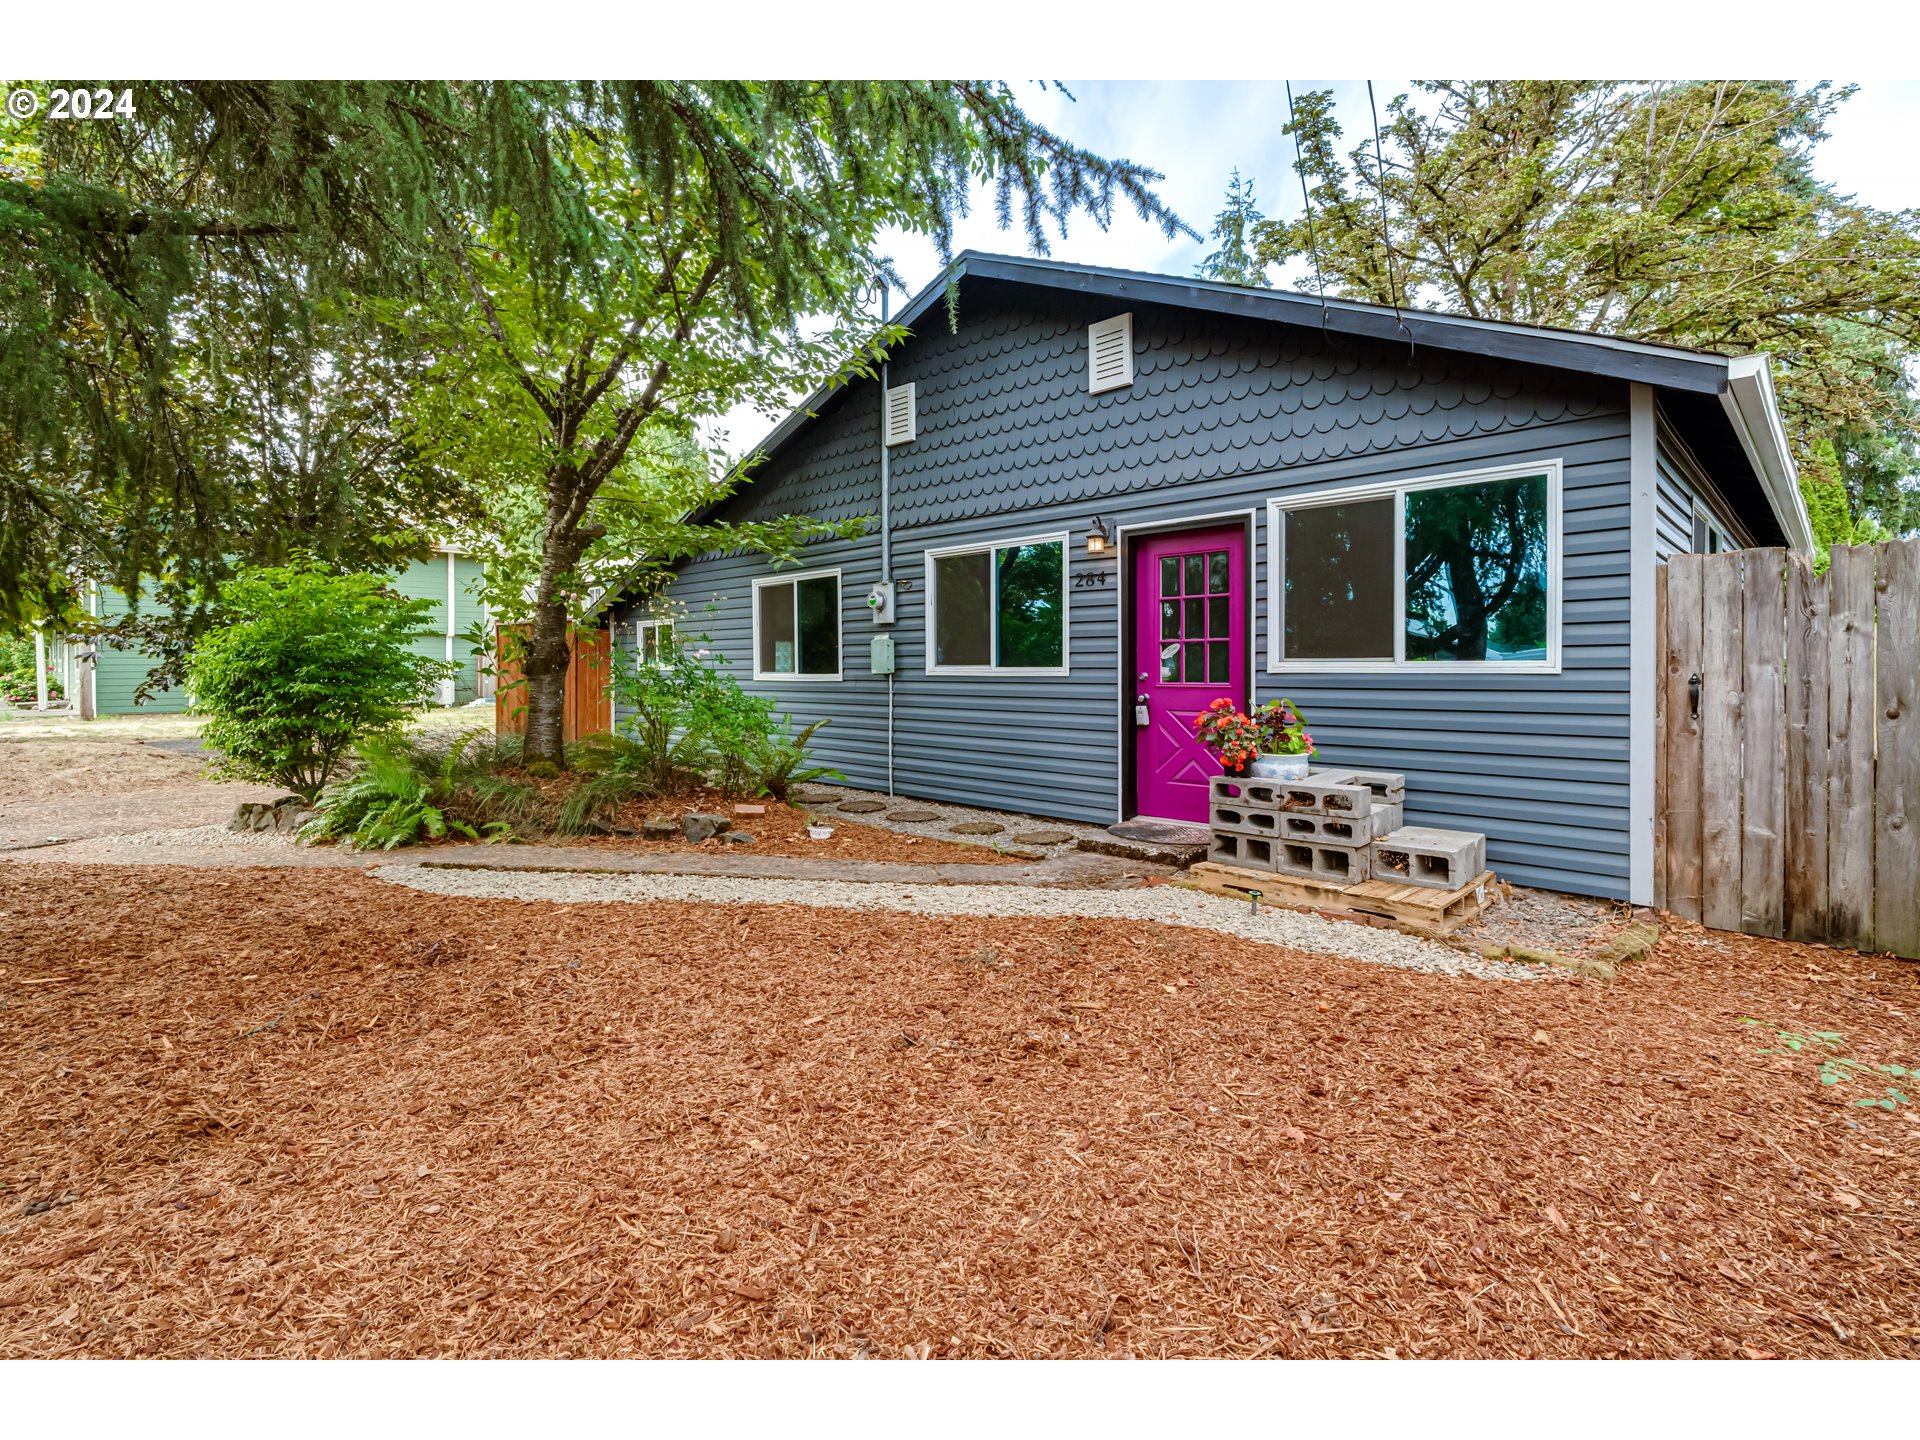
880 603
880 648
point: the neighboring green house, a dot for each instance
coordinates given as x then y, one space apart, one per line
450 579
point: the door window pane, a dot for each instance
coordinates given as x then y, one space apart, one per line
776 628
1196 575
1217 573
1196 618
1196 664
1339 600
1169 574
962 595
1217 662
1170 664
1169 619
1476 558
1217 616
1032 605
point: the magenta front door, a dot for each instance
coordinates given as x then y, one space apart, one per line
1190 646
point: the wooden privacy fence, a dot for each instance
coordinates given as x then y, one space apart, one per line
589 698
1787 800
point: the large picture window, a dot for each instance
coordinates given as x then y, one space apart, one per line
1461 569
796 627
998 607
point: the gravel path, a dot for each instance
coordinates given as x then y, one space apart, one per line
1161 904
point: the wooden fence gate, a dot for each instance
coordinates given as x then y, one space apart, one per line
589 694
1788 744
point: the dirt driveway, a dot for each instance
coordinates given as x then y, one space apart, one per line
309 1113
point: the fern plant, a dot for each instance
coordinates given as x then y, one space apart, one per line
781 762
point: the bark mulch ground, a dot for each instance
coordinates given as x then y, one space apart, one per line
782 830
286 1113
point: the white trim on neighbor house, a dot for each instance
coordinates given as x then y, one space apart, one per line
1062 538
1755 414
1707 526
1397 490
839 634
1643 640
1123 747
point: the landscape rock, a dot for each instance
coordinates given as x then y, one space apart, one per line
862 807
697 826
973 827
1043 837
625 830
659 827
912 817
738 837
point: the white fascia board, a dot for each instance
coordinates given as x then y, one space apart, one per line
1755 414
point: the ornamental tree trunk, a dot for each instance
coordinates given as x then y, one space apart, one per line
545 668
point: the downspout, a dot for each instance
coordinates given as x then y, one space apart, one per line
886 531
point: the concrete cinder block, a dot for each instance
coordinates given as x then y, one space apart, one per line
1244 821
1421 855
1244 792
1387 785
1334 829
1386 818
1249 852
1316 796
1316 860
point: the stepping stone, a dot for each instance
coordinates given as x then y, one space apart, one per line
913 817
811 797
1043 837
975 827
737 837
861 807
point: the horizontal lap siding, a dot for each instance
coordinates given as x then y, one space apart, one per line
1222 417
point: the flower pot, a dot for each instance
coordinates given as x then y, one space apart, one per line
819 832
1279 767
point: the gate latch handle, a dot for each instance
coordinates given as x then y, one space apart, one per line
1693 694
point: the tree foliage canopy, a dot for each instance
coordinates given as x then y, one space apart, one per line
1684 213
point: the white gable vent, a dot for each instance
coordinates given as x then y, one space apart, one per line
899 416
1111 345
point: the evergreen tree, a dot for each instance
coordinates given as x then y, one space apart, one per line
1233 227
1682 213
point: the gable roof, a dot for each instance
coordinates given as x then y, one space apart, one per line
1726 402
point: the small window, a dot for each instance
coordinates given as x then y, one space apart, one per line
1110 354
998 607
1463 569
1708 536
900 418
796 627
653 642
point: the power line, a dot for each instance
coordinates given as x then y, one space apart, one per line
1386 234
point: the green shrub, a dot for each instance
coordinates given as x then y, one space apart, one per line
16 672
401 794
543 770
690 720
782 761
311 665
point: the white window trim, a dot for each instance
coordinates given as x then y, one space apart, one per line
987 547
840 631
640 629
1397 490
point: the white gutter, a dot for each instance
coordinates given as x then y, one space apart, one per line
1754 413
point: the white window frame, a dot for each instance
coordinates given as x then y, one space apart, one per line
987 547
640 629
1398 490
840 634
1707 522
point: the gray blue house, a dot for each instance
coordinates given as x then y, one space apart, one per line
1107 498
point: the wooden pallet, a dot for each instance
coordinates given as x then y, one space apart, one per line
1418 908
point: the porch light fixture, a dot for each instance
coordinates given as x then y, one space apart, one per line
1099 538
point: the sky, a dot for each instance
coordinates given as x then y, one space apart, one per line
1196 132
